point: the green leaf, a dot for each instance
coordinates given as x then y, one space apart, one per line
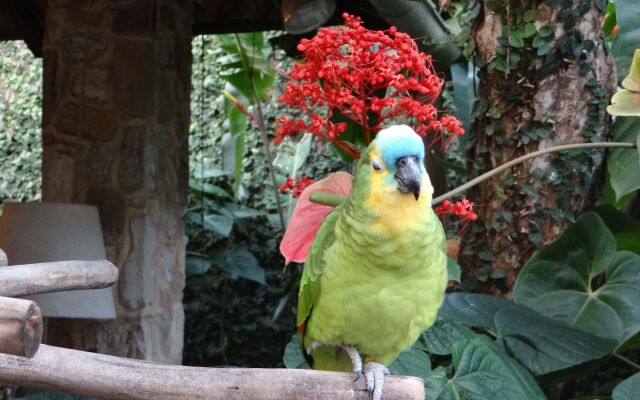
463 94
482 371
625 228
197 265
544 345
544 49
529 29
293 356
628 37
516 41
546 31
442 335
622 164
303 149
208 173
472 309
412 362
453 270
208 190
627 389
581 279
609 19
242 263
218 223
539 42
247 65
540 343
529 15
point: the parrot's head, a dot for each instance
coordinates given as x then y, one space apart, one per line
393 167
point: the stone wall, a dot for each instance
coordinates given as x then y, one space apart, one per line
115 134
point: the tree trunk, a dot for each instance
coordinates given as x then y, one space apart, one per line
538 88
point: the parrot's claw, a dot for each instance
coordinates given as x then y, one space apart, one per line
356 361
374 373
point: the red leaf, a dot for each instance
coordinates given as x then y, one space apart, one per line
307 216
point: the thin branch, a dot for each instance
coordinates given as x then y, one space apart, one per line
28 279
627 361
109 377
526 157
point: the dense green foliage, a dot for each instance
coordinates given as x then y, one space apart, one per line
572 329
239 297
20 114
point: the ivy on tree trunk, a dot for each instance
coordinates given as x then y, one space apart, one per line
545 78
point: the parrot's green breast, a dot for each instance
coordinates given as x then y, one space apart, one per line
377 276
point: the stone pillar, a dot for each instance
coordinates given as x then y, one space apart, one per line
115 134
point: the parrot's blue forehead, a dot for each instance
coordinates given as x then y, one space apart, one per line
398 141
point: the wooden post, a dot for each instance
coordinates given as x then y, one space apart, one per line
109 377
20 327
28 279
3 259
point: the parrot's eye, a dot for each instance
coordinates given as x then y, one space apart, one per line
376 164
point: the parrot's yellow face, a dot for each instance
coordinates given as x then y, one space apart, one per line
399 188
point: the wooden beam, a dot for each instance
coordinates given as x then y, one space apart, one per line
27 279
26 19
109 377
20 327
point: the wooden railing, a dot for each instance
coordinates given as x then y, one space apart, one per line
24 361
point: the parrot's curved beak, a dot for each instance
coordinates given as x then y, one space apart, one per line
408 175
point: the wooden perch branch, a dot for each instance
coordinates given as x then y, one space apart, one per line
20 327
111 377
27 279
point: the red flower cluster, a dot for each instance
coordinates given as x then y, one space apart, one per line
296 185
463 209
370 77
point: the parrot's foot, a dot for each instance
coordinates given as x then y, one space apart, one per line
374 373
356 361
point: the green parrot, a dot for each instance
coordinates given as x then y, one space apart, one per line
376 274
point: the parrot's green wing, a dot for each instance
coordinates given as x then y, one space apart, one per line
314 268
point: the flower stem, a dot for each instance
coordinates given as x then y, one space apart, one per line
526 157
263 133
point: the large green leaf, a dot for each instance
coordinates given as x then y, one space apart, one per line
624 164
242 263
628 37
453 270
246 65
442 335
581 279
483 372
627 389
293 356
412 362
625 228
196 265
542 344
